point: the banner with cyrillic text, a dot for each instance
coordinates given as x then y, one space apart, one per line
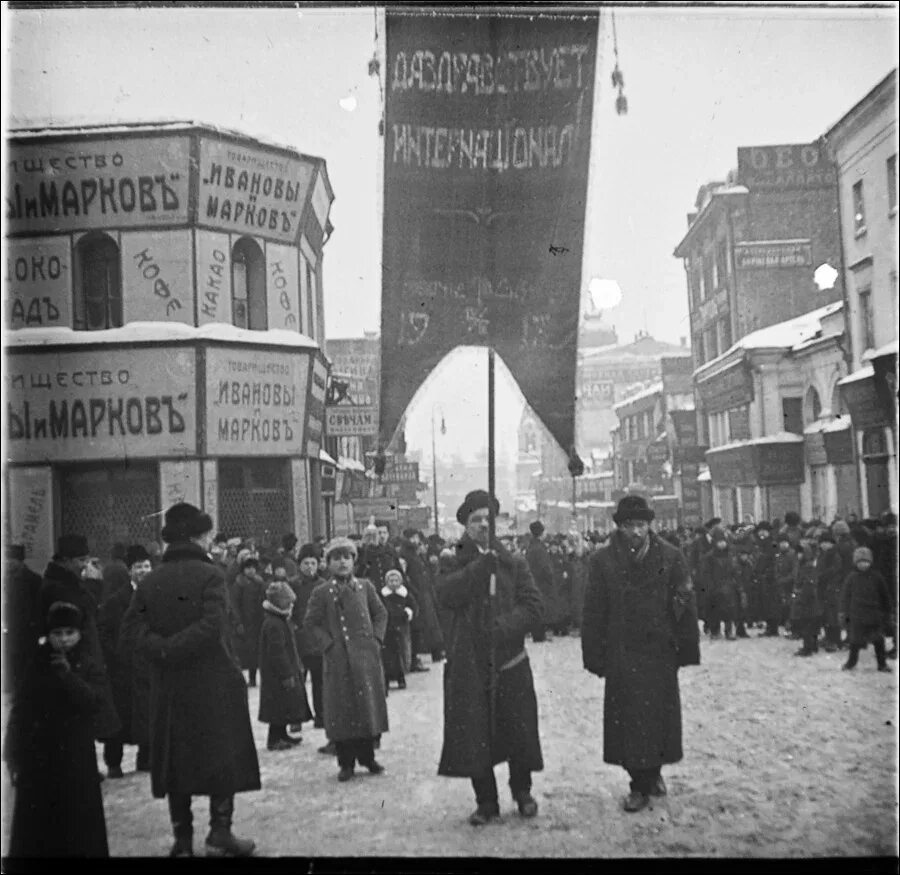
487 146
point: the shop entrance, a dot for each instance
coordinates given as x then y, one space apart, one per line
255 499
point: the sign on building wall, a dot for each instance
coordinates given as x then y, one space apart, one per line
252 191
727 389
255 402
38 286
282 287
157 277
804 165
315 421
348 420
213 277
357 360
76 406
773 253
66 185
30 513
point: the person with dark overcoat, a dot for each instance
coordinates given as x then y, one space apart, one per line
307 579
701 545
490 707
201 738
771 597
830 577
282 695
541 569
21 615
129 675
865 609
348 622
785 572
426 628
401 607
64 582
49 747
247 594
377 556
639 628
115 572
557 614
718 580
745 581
806 609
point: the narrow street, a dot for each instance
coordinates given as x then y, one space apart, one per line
783 757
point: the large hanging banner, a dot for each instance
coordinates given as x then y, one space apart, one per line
487 146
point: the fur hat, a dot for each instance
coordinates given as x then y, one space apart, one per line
136 553
717 533
476 500
308 551
764 525
536 528
862 554
826 536
62 614
247 560
183 521
280 594
340 544
72 546
632 507
839 528
289 541
712 523
792 518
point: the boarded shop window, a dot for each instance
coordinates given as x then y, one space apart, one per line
792 413
255 499
98 287
115 503
248 285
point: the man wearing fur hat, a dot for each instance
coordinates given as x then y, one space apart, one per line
490 708
128 673
348 622
307 579
639 628
426 629
538 558
201 739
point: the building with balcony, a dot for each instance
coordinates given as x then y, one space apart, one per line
165 322
864 146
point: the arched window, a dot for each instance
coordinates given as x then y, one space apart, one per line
98 287
838 408
248 285
813 405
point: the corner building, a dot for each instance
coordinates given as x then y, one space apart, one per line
164 333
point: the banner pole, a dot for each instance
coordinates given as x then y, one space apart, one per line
492 531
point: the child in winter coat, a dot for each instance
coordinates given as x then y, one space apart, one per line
717 572
402 608
806 613
282 693
786 564
58 809
865 608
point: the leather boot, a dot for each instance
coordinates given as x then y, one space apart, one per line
221 842
182 825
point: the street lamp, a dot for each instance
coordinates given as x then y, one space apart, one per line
434 487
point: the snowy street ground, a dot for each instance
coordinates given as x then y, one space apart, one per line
784 757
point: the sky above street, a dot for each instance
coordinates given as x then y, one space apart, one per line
699 82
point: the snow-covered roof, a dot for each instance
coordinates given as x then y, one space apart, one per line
887 349
651 390
781 437
704 476
863 373
325 457
349 464
149 332
826 426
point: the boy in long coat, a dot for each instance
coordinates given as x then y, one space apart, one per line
201 740
490 708
865 609
639 628
303 584
348 622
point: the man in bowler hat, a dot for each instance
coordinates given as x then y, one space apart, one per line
490 708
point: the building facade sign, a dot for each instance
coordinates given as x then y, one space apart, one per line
780 463
283 287
357 360
38 287
213 277
732 467
158 276
730 388
315 419
773 253
134 403
863 402
739 423
30 512
691 506
346 420
255 402
794 166
251 191
401 472
684 422
69 185
839 447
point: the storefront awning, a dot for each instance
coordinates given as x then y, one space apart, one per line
863 399
766 461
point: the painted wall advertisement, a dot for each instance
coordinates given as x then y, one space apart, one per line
213 277
487 146
358 360
38 287
804 165
773 253
138 403
251 191
255 402
30 513
68 185
315 420
283 286
157 277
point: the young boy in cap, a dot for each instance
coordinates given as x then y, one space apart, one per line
866 609
58 808
348 622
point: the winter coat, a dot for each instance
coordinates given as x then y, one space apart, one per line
830 574
115 577
22 624
425 625
303 587
541 567
557 612
639 627
61 585
397 650
58 807
247 596
129 673
718 579
786 565
866 602
278 663
805 604
578 566
348 622
201 740
469 748
375 560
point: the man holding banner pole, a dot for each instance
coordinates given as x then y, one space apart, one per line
490 716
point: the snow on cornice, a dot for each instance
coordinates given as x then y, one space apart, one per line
781 437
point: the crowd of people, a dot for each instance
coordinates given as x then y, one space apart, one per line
156 649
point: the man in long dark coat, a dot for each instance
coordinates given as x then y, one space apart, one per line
426 629
538 558
490 708
201 740
21 615
639 628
